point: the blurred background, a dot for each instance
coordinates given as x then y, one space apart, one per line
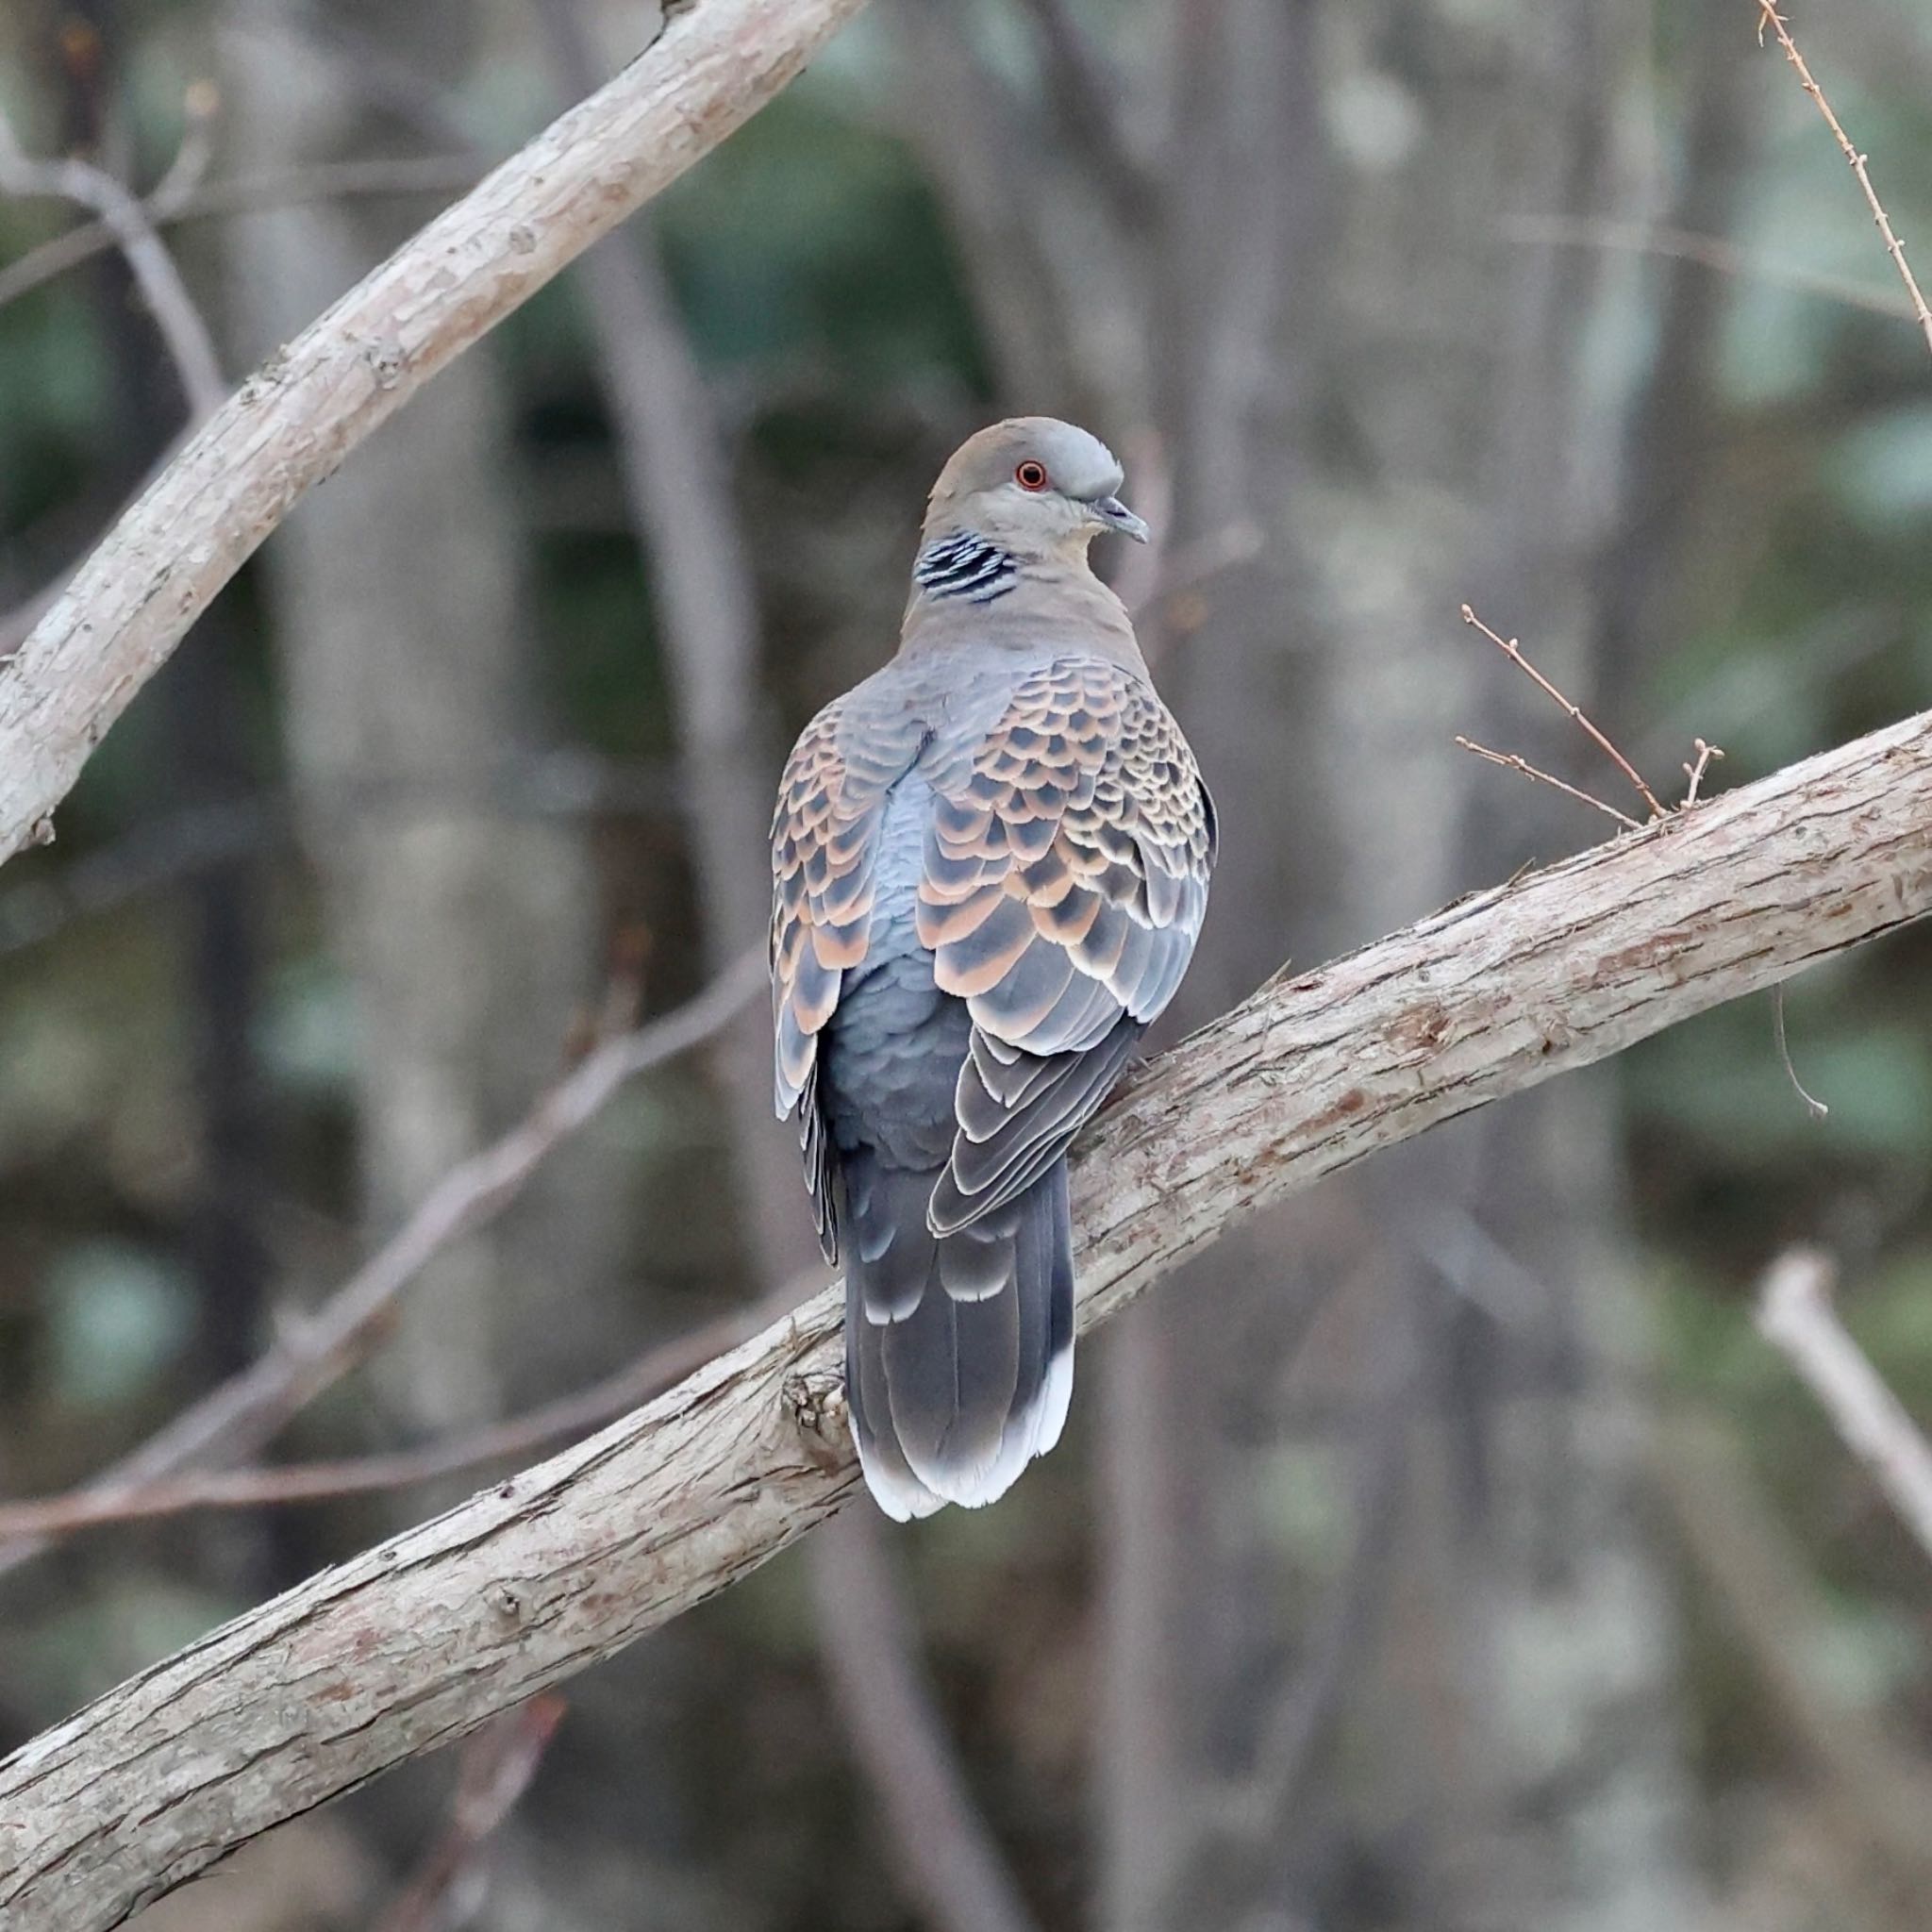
1445 1550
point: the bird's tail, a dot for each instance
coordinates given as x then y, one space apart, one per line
958 1350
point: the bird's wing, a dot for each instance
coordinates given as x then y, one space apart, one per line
823 848
1065 879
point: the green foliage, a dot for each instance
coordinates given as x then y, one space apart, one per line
812 236
115 1318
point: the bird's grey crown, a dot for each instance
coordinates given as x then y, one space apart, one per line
1081 466
966 565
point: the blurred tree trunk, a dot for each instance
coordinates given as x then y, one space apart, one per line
1514 1714
407 644
469 936
88 45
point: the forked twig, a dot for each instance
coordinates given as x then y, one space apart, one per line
1514 762
1695 772
176 200
1769 17
1513 651
184 329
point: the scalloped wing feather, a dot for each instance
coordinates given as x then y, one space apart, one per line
823 849
1065 880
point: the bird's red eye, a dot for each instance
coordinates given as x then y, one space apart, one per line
1030 476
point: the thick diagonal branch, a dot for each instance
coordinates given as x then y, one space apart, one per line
293 423
421 1640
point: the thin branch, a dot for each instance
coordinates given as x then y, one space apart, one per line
498 1765
1708 251
568 1418
237 1418
192 155
1694 772
172 204
432 1633
1875 1783
712 65
1797 1316
1515 761
1770 17
184 332
1513 651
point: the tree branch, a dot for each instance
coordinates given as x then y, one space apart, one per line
1773 19
177 202
422 1639
1797 1316
499 1763
293 422
40 1520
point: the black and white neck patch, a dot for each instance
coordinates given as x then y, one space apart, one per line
966 566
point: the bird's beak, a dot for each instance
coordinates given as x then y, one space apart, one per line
1115 515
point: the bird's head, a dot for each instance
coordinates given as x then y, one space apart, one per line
1035 486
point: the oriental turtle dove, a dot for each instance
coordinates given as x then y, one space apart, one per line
991 863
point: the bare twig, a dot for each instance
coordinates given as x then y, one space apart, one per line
184 332
497 1766
709 70
175 202
1815 1106
237 1418
1513 651
1695 772
567 1418
1769 17
1515 761
1708 251
411 1644
188 169
125 223
1797 1316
